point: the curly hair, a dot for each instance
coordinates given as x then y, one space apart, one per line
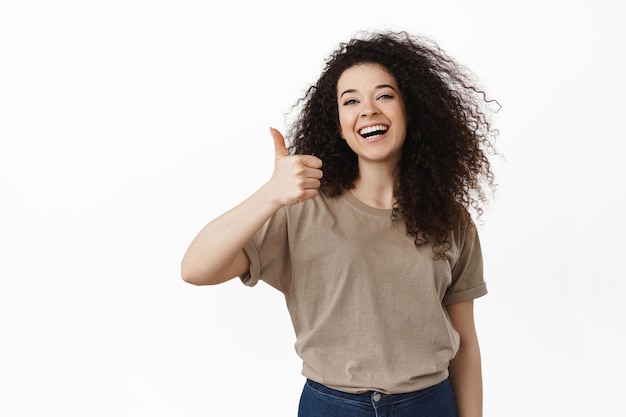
444 168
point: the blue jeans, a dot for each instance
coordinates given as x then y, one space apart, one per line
318 400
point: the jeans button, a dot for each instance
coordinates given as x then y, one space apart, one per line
376 397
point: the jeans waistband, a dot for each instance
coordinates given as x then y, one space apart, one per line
370 396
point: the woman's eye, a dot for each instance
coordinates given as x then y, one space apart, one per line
349 102
385 96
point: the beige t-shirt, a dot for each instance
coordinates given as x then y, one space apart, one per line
367 306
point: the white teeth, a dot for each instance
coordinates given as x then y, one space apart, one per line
370 129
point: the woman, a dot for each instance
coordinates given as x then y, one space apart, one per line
365 228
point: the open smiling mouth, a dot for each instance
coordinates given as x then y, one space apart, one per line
371 132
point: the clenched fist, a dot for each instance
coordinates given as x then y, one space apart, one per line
296 177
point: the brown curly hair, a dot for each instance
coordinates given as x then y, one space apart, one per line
444 169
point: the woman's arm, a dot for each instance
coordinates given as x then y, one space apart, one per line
465 368
216 254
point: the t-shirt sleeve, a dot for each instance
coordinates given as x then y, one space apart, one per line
268 253
467 270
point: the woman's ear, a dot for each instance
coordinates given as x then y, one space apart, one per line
340 131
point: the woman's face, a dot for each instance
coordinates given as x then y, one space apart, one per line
372 115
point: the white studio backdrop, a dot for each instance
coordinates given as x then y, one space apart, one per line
125 126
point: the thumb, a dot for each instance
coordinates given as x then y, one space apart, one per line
280 149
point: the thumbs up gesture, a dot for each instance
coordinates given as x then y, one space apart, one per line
296 177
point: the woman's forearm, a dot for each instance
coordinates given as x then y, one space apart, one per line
215 254
466 369
466 380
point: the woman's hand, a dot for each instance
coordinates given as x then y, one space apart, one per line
296 178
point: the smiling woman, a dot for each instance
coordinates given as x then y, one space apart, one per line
372 116
365 227
448 132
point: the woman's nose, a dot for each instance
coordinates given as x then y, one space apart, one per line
369 109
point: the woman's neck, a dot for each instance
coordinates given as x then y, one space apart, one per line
374 187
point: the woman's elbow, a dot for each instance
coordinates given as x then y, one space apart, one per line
199 277
192 275
202 272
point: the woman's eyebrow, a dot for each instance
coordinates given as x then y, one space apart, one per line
378 87
350 91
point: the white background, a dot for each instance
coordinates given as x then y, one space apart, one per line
125 126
